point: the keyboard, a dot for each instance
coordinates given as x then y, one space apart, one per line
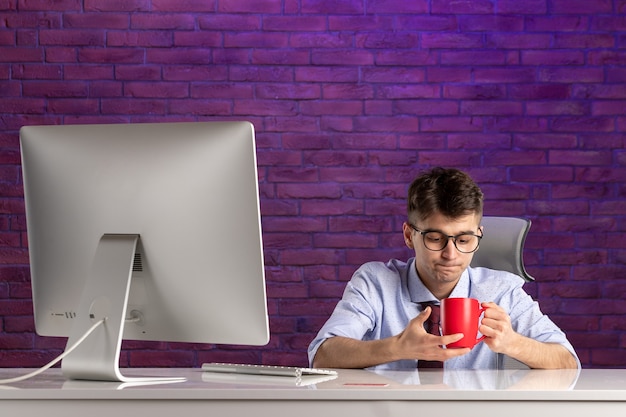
262 380
293 371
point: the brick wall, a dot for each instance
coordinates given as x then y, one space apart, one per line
350 98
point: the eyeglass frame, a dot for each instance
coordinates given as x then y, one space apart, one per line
448 237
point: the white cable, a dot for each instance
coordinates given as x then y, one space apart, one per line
55 361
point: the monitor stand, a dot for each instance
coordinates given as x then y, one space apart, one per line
105 296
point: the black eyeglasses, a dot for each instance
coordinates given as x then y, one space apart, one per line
437 241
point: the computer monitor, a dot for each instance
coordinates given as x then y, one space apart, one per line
153 227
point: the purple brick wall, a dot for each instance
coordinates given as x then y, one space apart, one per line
350 99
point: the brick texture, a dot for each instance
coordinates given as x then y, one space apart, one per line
350 100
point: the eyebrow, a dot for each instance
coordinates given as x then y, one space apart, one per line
470 232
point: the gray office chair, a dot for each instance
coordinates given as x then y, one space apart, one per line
502 245
502 248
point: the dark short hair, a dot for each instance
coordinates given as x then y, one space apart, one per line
448 191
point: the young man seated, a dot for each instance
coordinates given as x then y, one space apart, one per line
379 322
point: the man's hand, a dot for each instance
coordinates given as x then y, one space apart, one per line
496 326
416 343
502 338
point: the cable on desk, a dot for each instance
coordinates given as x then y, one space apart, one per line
57 359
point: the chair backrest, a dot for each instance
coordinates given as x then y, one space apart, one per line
502 245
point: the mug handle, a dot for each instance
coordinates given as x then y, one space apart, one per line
482 310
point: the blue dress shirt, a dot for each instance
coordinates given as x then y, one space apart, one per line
381 299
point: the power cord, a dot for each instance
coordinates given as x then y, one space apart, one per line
58 358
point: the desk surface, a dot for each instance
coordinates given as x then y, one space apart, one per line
514 393
484 385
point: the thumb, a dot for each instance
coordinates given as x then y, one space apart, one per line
423 316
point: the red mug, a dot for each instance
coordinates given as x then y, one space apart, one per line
461 315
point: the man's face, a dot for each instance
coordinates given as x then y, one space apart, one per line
441 270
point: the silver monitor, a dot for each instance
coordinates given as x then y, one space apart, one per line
153 227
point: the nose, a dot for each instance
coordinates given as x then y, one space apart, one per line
449 251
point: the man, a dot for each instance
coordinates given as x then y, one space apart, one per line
379 322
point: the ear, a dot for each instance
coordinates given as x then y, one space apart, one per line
408 235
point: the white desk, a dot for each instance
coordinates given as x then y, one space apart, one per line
352 393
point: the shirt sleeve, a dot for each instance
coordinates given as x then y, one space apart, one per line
527 318
529 321
355 314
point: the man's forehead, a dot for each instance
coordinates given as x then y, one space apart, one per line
449 225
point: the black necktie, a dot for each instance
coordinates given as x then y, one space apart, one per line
432 326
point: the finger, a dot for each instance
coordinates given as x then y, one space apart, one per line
454 352
491 322
495 312
440 354
423 316
451 338
487 331
445 354
491 307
